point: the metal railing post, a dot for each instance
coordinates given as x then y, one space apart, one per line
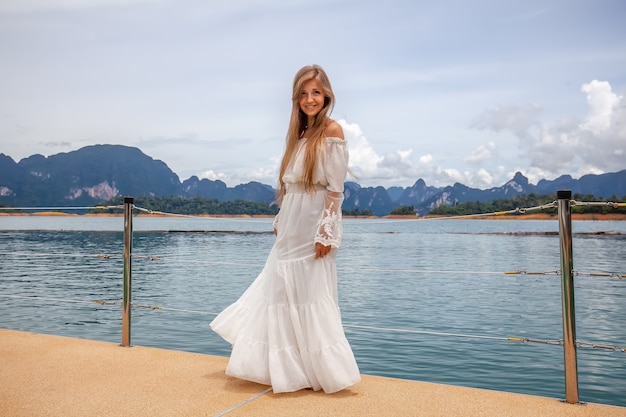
567 294
127 286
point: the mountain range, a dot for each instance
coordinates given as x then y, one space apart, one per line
98 173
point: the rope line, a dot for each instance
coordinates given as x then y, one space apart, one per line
422 271
194 216
64 208
413 331
256 265
120 256
522 272
494 213
51 254
580 344
516 210
35 297
205 262
499 213
600 274
588 345
597 203
149 307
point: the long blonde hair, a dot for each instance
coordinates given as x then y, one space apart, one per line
298 125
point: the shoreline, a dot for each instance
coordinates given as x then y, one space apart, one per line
545 216
533 216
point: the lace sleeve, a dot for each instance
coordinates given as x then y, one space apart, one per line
329 230
335 166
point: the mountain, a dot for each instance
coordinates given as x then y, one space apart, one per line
98 173
252 191
459 193
94 174
375 199
603 185
609 185
89 175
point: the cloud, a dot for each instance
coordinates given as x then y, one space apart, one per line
518 119
482 153
601 137
57 144
595 144
397 168
266 175
212 175
205 86
602 103
484 177
426 159
369 167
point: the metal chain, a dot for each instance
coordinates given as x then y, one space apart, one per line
580 344
600 274
597 203
522 272
589 345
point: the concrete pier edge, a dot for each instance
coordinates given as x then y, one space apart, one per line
45 375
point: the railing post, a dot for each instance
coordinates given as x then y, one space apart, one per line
127 286
567 294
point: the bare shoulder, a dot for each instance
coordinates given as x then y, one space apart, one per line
334 130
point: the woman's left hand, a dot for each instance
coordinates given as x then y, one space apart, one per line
321 250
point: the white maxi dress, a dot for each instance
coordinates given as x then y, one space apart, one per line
286 328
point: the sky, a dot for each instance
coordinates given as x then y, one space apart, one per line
445 91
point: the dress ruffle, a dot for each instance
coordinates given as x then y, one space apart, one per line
286 329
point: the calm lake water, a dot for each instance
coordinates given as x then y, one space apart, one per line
426 300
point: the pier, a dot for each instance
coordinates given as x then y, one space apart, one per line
44 375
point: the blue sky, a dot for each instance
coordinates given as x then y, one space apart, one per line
447 91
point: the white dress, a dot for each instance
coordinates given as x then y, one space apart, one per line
286 328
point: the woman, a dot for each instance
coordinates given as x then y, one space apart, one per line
286 329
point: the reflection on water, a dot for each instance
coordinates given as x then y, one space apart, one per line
440 278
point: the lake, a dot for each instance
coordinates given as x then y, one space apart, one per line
426 300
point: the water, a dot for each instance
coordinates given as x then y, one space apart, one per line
442 280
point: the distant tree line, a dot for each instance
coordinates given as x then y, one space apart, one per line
357 212
196 205
524 202
403 210
201 205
